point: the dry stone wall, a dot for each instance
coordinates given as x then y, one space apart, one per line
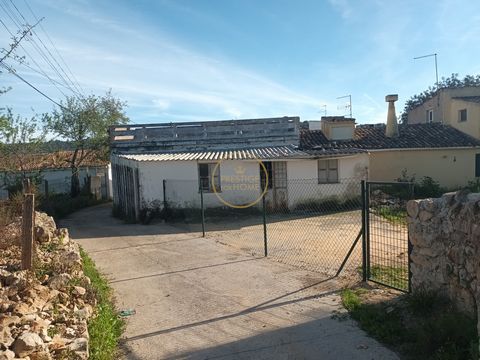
445 238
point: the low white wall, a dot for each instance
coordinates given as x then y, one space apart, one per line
182 183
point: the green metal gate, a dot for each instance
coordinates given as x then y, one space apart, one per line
386 248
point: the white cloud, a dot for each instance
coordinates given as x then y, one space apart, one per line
343 7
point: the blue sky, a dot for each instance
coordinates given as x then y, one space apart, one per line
188 60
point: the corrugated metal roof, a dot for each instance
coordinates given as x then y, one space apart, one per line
272 152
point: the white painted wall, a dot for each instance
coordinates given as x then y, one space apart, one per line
182 181
303 179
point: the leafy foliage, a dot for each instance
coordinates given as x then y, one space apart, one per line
427 187
451 82
421 325
20 140
84 123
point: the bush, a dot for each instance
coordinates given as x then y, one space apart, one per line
426 188
422 325
61 205
329 204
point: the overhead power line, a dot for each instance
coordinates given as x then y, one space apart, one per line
51 57
13 72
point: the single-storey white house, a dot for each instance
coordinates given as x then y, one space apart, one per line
54 171
227 163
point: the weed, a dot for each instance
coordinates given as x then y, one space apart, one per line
395 215
106 327
423 325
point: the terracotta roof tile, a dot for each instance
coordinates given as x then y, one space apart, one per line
54 160
410 137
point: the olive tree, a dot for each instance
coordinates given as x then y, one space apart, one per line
84 123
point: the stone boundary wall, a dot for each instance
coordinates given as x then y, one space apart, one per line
445 238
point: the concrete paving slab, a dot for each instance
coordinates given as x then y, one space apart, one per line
198 299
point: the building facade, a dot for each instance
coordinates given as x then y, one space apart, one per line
458 107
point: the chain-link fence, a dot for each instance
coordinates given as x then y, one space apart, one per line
300 222
317 225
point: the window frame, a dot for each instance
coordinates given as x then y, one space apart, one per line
210 168
430 116
460 112
328 178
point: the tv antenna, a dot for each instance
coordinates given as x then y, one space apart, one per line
436 67
349 106
324 110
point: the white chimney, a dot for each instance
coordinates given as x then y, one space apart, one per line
392 126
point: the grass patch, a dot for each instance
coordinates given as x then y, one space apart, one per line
106 327
395 215
419 326
390 275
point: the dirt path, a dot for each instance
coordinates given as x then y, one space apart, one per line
197 299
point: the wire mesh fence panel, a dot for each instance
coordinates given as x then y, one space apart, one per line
316 224
179 202
387 233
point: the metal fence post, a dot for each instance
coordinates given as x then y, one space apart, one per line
203 210
264 211
28 223
367 226
46 189
164 195
410 246
364 233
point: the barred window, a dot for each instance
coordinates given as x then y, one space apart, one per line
205 173
462 115
327 171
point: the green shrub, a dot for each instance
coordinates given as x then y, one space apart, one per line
106 327
62 205
422 325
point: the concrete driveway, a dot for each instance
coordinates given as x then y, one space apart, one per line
198 299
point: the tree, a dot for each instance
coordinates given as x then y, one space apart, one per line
451 82
21 140
85 122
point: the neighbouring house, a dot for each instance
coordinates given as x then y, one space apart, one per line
156 164
53 170
437 150
457 107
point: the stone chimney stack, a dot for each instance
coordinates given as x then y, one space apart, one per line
392 126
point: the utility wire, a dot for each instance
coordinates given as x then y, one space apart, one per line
54 47
15 42
40 71
6 8
17 22
13 72
46 48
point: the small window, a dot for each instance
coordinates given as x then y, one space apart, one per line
462 115
327 171
205 172
429 116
